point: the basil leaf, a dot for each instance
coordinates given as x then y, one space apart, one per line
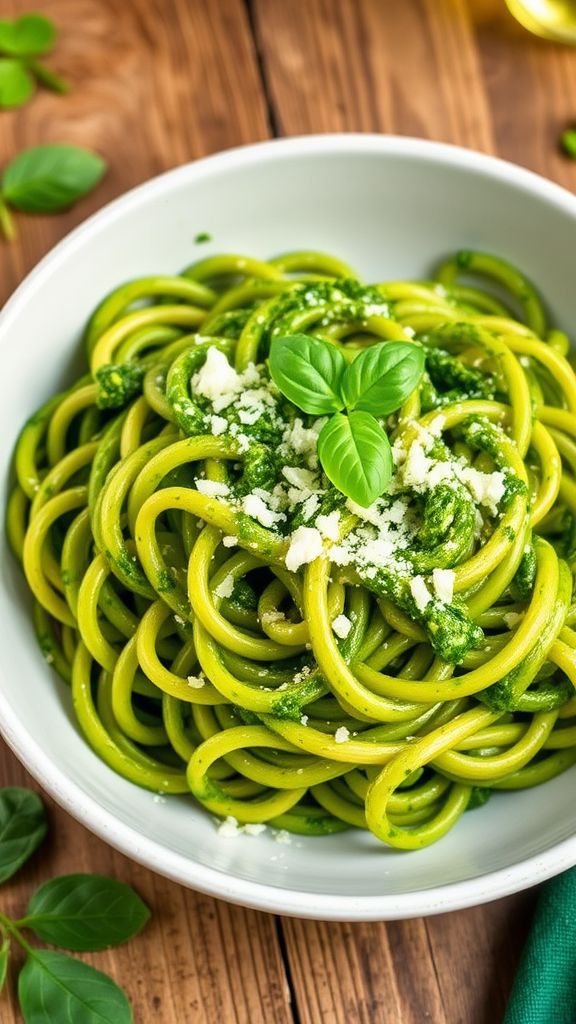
16 85
47 77
568 142
4 958
22 828
55 987
85 912
382 377
47 178
356 456
27 36
308 372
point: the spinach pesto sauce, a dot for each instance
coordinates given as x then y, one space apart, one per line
377 635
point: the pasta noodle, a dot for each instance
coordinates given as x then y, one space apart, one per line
233 627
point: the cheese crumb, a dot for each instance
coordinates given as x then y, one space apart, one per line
225 588
255 828
486 488
284 837
229 541
196 682
342 626
420 593
304 720
443 580
303 479
305 546
229 828
512 619
329 525
216 379
342 735
212 488
272 616
218 425
254 507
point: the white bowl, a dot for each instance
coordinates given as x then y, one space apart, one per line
391 207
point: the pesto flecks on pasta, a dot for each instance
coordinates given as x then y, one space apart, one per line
235 626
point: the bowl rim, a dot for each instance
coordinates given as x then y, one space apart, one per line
68 793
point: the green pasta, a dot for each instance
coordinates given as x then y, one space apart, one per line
232 626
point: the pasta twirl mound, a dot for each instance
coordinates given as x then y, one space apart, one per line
232 625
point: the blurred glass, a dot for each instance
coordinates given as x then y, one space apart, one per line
552 19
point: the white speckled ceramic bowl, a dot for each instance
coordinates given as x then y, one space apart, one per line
390 207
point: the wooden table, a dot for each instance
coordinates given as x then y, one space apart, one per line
160 82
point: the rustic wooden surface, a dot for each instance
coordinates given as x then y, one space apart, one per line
159 82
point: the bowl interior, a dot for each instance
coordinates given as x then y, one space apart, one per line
391 208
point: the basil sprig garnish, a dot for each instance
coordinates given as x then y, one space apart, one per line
353 447
22 41
80 912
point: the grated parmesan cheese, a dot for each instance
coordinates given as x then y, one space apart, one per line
342 735
420 593
254 506
218 425
212 488
342 626
229 828
329 525
512 619
305 546
443 581
225 588
216 379
196 682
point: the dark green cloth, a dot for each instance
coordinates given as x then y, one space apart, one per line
544 990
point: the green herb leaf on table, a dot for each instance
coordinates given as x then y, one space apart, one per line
309 372
55 987
4 959
22 41
356 456
23 826
44 179
568 142
28 36
382 377
85 912
16 83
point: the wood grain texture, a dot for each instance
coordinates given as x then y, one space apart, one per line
198 959
159 82
451 969
155 83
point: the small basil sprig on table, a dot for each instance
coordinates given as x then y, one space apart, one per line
353 448
45 179
568 142
80 912
23 826
22 41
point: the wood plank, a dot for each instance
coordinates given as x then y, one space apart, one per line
450 969
332 65
154 84
531 90
198 959
475 954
